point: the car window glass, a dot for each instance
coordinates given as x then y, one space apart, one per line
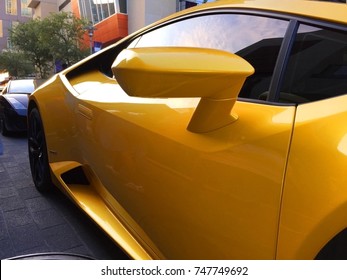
255 38
317 67
23 86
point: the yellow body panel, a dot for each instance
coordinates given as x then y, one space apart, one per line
304 8
264 186
226 182
104 210
315 194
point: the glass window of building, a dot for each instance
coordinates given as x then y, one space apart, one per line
11 7
25 11
98 10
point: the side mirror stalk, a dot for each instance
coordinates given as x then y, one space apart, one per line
169 72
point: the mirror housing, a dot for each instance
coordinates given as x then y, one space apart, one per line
162 72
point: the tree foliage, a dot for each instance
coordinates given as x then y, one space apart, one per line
27 38
16 64
64 33
57 37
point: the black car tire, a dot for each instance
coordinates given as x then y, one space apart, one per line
38 156
3 128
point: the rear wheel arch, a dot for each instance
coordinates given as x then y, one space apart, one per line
326 239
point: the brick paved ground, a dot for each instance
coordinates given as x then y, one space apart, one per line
33 223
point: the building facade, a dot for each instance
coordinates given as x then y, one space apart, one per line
43 8
110 20
144 12
11 13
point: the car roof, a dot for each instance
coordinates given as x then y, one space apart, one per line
334 12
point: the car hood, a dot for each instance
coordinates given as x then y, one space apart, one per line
19 102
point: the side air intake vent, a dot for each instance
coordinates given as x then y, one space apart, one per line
75 176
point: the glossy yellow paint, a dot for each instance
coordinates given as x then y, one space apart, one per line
219 199
155 72
315 194
227 183
179 72
104 210
216 194
62 137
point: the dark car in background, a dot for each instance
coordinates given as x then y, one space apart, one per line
14 104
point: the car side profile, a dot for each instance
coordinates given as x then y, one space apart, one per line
216 133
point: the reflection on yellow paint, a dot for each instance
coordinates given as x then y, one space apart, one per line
342 146
285 116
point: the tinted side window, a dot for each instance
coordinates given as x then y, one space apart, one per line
317 67
255 38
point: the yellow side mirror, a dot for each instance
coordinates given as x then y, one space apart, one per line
214 75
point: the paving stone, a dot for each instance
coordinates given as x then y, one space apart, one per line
48 218
31 222
17 218
11 203
3 227
7 192
26 237
6 248
38 204
29 192
9 164
4 177
65 240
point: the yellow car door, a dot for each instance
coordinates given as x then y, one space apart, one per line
194 195
187 190
213 195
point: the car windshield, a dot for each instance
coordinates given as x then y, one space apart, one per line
21 86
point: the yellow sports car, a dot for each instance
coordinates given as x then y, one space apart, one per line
219 132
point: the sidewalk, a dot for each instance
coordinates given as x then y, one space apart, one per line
33 223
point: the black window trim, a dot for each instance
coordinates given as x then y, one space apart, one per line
282 61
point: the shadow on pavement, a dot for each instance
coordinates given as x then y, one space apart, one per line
33 223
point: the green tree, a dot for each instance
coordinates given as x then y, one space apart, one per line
57 37
27 38
16 64
64 34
